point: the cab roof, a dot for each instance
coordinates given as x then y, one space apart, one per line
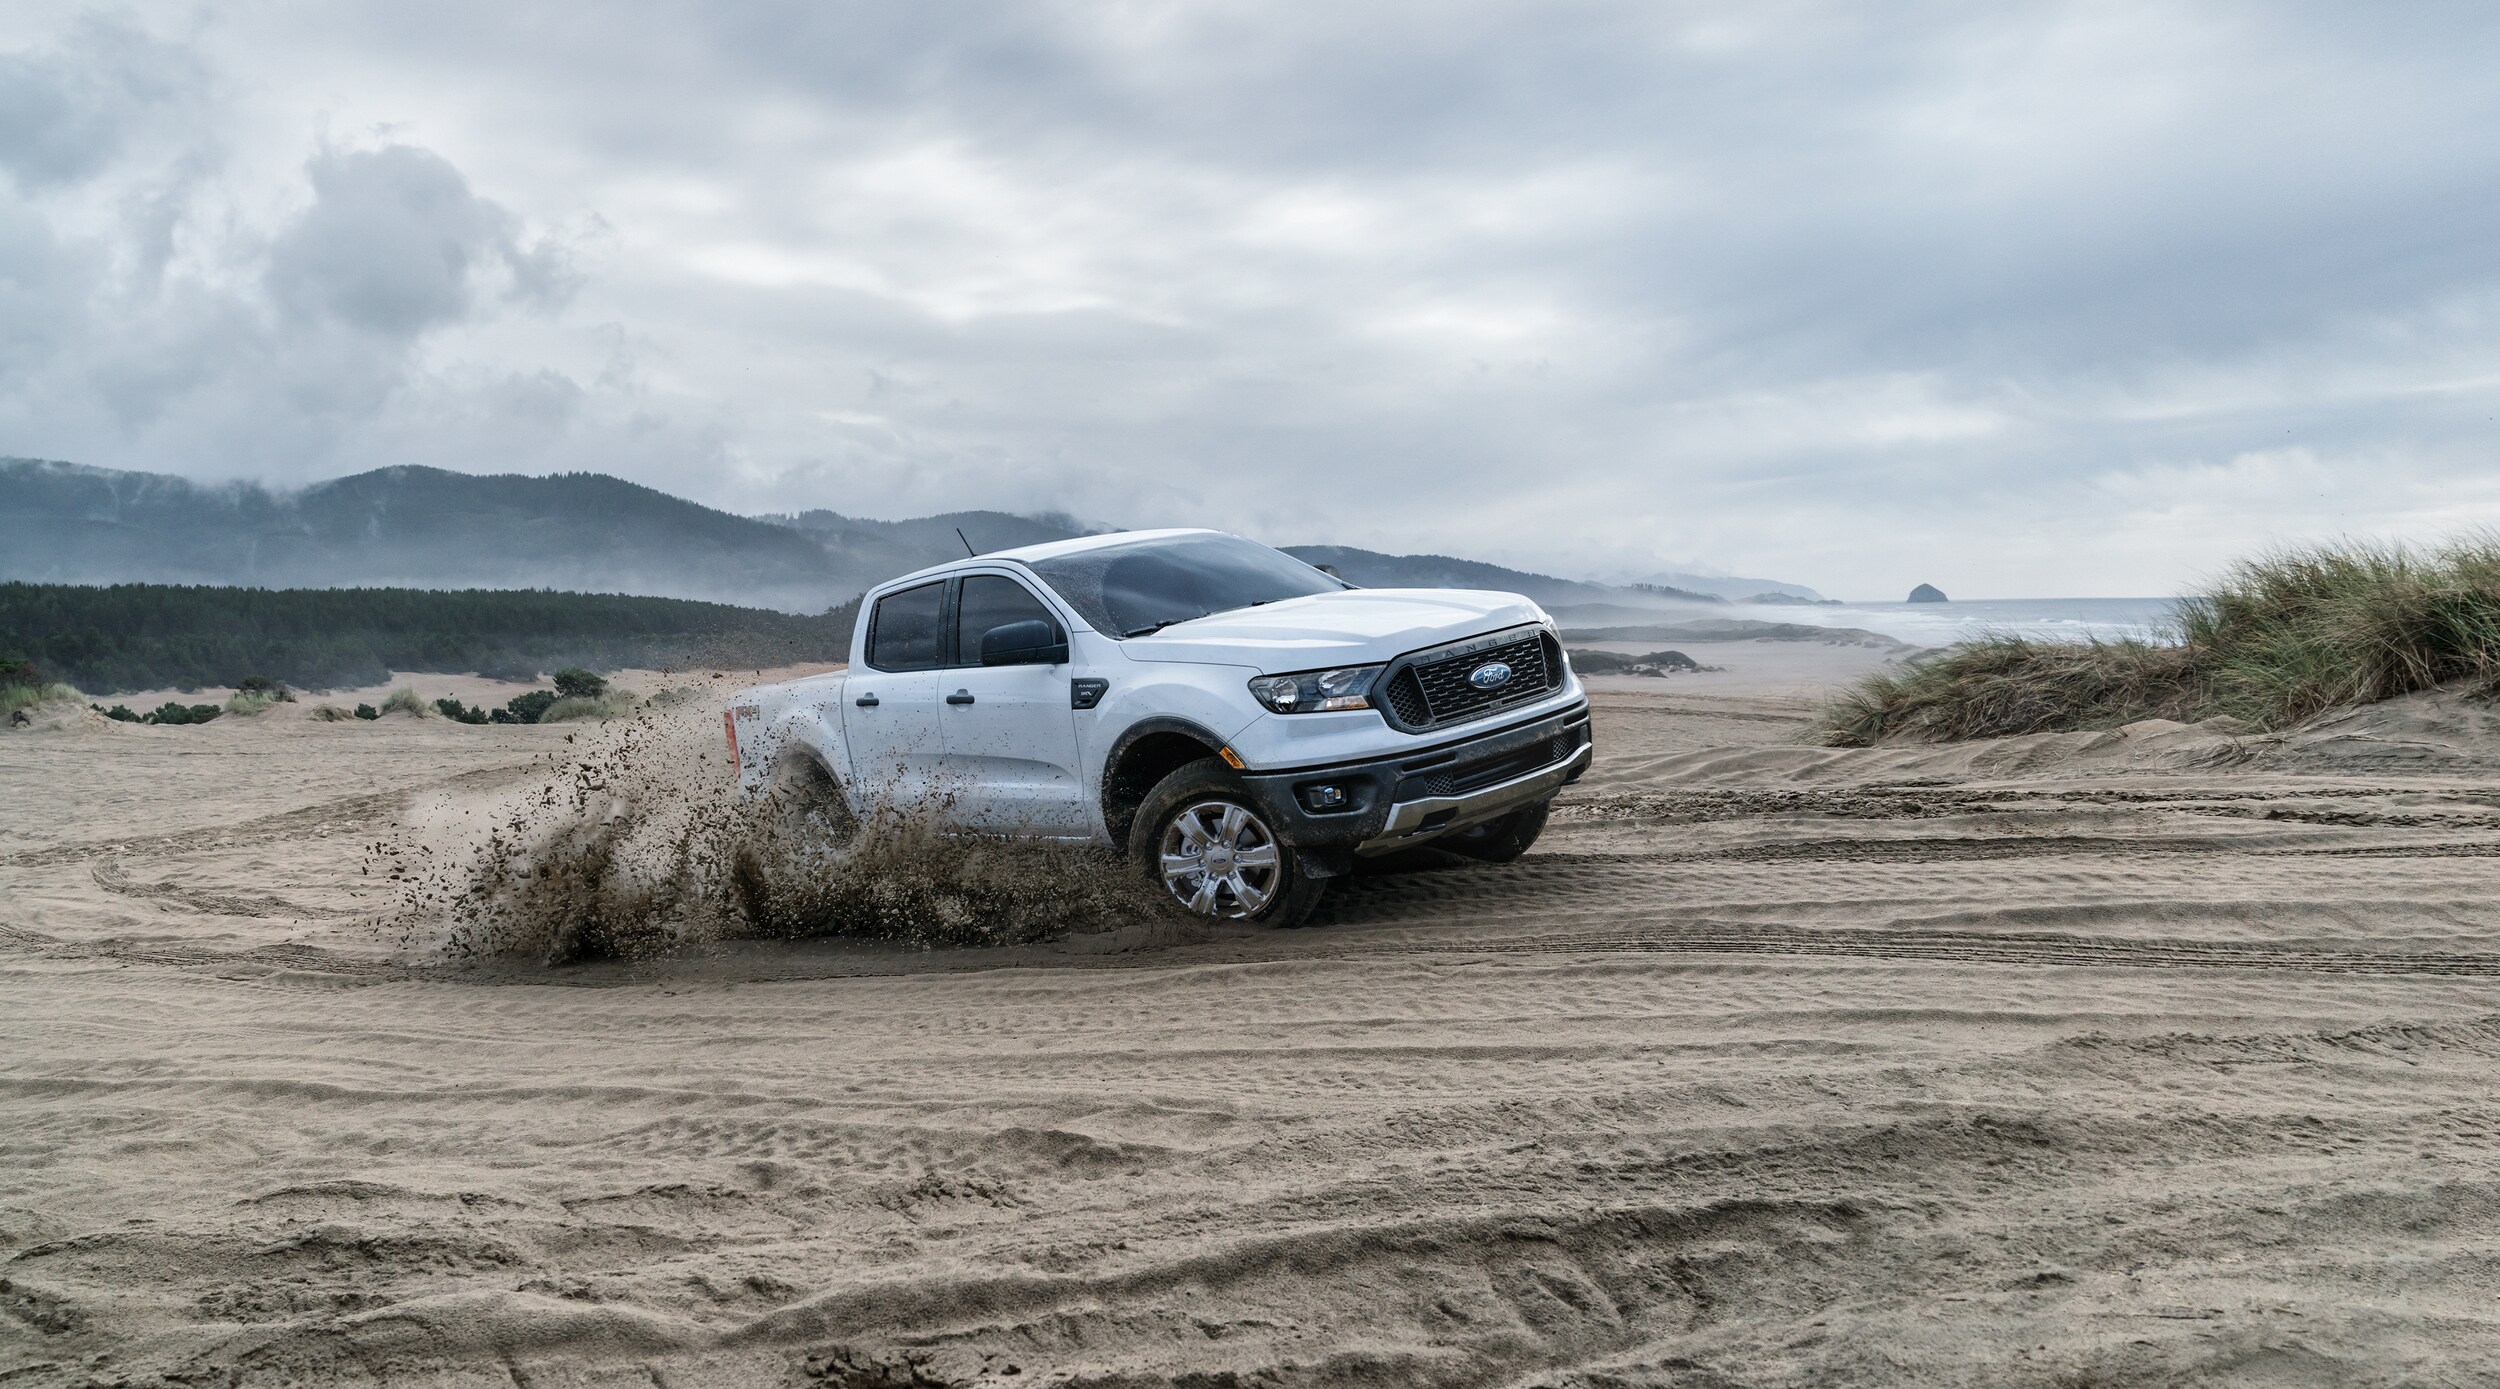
1051 549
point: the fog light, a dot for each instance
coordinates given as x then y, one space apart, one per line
1324 797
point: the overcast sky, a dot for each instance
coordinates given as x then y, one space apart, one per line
2018 299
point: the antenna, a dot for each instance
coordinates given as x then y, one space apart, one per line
969 552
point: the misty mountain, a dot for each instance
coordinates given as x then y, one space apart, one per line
416 527
413 527
884 549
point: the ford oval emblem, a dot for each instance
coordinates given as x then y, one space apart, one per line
1492 675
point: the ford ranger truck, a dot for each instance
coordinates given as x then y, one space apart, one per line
1242 725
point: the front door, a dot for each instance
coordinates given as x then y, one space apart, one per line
1010 730
890 713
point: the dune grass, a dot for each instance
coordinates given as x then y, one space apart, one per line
2280 638
406 701
14 697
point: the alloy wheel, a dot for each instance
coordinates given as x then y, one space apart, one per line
1221 860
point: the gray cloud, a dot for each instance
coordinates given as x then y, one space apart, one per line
393 241
68 111
2014 298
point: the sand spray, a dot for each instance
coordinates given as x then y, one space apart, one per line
631 842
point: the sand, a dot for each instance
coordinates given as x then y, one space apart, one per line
2155 1057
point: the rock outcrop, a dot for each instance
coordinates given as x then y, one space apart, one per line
1927 593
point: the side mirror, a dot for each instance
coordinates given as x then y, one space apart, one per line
1031 642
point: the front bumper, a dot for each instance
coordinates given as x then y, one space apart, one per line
1398 802
1428 817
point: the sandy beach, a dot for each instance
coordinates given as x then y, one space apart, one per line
2162 1056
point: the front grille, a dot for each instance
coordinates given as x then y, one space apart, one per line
1434 692
1458 781
1406 700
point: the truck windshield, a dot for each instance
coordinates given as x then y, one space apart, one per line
1144 586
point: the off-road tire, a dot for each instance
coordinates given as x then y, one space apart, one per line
1197 784
1499 841
806 799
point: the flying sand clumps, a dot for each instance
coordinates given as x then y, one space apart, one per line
634 844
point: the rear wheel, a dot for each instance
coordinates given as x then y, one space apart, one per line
1499 841
806 800
1201 837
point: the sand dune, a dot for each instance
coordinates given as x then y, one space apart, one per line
2164 1056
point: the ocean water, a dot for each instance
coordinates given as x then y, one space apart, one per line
1942 624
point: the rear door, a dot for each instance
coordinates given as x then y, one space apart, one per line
1010 730
890 716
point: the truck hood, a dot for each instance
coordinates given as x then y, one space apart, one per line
1351 628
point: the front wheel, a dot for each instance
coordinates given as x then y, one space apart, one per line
1204 840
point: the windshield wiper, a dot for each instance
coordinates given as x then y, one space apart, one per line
1153 627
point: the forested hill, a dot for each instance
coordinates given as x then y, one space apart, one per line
429 528
154 636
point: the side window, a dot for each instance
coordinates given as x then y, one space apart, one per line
989 601
903 635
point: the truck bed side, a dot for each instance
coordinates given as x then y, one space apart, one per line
800 717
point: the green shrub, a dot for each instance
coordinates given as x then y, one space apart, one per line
367 712
119 713
586 707
172 712
458 712
405 701
2281 638
573 682
531 706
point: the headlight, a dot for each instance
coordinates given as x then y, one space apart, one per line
1317 691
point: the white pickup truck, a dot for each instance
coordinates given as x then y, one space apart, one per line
1242 724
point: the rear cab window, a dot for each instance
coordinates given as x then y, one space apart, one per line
903 631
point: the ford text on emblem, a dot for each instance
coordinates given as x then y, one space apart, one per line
1492 675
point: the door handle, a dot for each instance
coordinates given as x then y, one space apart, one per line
960 697
866 701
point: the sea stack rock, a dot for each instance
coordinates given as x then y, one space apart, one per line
1927 593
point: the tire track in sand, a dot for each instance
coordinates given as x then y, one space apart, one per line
1719 937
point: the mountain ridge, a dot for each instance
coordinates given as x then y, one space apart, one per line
412 526
1730 587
